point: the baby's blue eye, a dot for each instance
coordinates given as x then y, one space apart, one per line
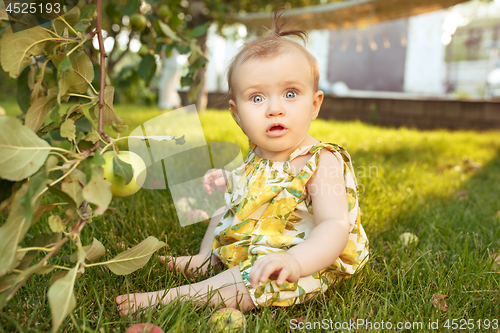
257 99
290 94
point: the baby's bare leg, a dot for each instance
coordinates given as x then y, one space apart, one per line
226 289
201 259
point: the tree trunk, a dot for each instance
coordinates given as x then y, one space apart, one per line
198 18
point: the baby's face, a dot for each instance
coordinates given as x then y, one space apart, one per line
275 102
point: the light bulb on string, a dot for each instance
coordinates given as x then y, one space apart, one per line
359 45
403 39
371 42
387 44
345 44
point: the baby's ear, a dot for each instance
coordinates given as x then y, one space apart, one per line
317 101
234 110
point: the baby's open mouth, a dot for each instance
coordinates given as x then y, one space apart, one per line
276 128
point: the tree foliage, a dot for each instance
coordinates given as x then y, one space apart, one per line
58 148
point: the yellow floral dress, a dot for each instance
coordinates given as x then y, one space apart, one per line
268 210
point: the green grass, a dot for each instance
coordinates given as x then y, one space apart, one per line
411 181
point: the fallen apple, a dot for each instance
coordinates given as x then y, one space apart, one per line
227 320
118 186
144 328
406 238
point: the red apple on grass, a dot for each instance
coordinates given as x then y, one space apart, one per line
144 328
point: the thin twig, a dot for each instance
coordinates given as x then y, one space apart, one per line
54 250
53 126
103 57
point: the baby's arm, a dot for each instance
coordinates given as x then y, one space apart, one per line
326 241
215 178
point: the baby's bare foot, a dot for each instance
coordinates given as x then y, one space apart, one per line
132 302
192 265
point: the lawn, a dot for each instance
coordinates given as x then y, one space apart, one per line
442 186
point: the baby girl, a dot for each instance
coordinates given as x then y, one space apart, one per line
291 224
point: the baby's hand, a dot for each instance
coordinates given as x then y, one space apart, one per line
215 178
283 265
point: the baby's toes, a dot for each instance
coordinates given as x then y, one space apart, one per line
164 259
125 305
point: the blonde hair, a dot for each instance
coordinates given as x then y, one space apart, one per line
272 45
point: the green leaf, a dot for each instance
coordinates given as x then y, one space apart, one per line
3 14
7 282
71 17
73 186
134 258
113 13
121 128
97 191
196 52
199 30
54 115
42 210
68 129
17 280
165 28
73 108
98 159
13 231
86 17
39 79
35 117
34 184
23 95
64 65
56 224
74 73
17 48
193 91
130 7
22 152
88 12
61 298
94 251
122 169
92 136
66 198
109 115
147 68
187 80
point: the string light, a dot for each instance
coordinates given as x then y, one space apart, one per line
403 39
345 43
387 44
359 46
371 42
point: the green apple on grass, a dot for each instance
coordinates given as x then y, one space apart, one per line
227 320
119 185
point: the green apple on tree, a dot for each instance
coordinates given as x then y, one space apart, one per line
138 22
143 50
119 187
164 11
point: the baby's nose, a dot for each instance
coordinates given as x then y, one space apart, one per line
275 108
